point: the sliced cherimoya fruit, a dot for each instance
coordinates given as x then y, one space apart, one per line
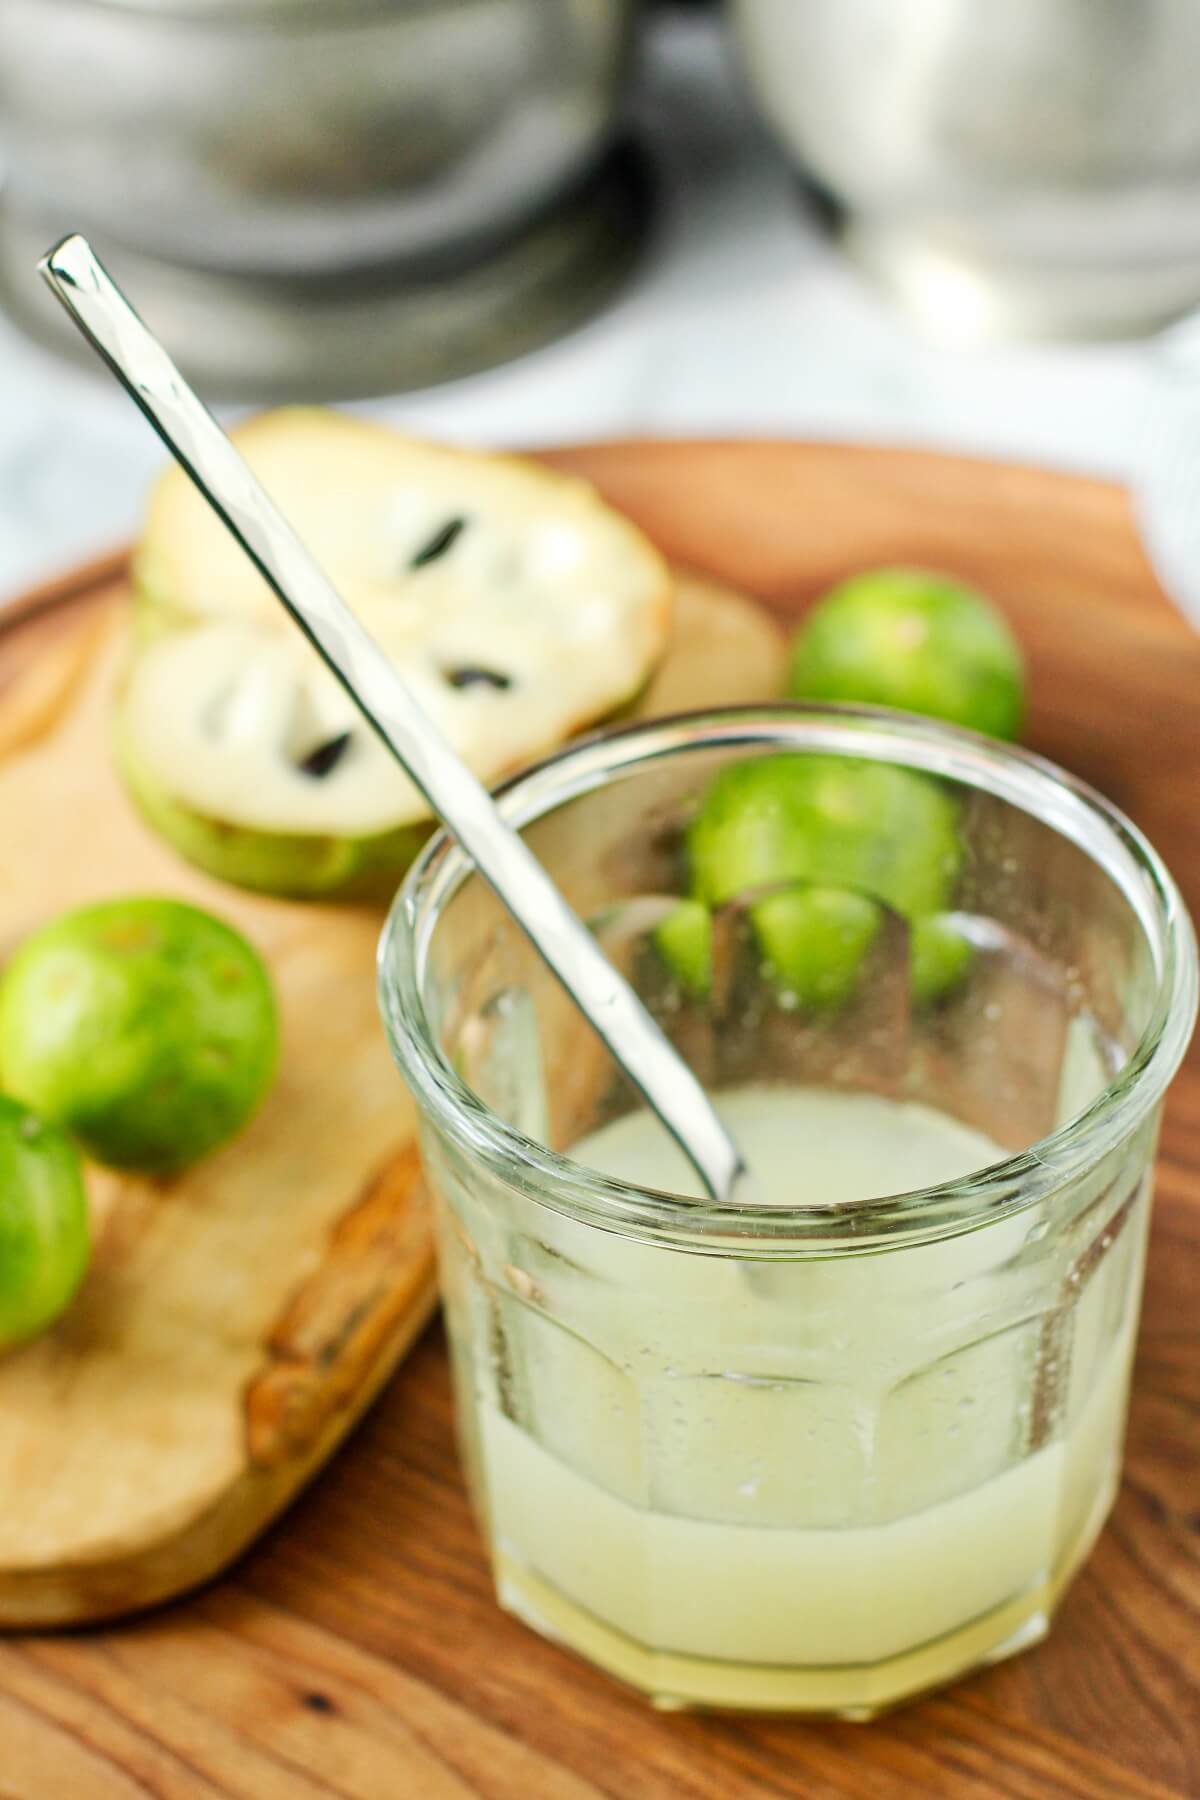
222 741
412 533
516 606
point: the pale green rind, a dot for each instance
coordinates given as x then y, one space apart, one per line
291 865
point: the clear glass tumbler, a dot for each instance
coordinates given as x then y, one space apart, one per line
822 1453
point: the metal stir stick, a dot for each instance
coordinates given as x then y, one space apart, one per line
97 306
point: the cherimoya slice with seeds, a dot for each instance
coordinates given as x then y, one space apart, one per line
516 605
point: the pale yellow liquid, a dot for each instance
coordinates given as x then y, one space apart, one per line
872 1521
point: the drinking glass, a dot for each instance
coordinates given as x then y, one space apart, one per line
824 1452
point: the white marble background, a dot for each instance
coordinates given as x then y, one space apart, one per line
742 321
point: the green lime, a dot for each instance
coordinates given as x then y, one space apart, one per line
939 957
886 832
684 941
916 641
44 1240
146 1028
815 941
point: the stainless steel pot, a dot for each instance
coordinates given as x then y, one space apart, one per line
1033 164
297 137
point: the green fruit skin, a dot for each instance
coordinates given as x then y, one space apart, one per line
289 865
885 832
940 957
293 865
146 1028
684 940
816 941
44 1233
916 641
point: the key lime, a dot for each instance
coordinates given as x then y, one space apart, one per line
814 941
916 641
939 957
830 821
146 1028
684 940
44 1241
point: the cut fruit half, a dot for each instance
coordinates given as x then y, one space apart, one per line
345 839
516 606
724 650
416 536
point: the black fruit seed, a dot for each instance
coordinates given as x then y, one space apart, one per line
470 676
439 543
325 757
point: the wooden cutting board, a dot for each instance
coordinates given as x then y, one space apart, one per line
237 1319
357 1651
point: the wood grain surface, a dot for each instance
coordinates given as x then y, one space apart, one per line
357 1650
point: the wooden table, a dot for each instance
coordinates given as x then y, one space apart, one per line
357 1650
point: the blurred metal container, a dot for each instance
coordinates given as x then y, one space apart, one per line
325 197
301 136
1031 166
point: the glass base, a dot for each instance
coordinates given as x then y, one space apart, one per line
861 1691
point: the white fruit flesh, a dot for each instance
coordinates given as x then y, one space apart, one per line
515 605
226 715
368 501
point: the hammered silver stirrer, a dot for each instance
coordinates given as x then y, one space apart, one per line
80 281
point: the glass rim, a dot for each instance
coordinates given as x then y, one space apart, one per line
1037 786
